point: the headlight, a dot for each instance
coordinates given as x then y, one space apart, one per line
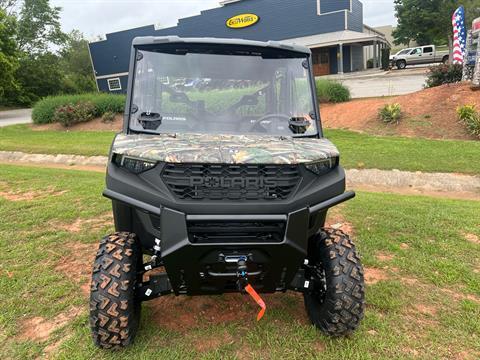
134 165
322 166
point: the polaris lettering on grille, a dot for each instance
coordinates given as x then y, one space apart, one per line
232 182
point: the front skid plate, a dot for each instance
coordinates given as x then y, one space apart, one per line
199 268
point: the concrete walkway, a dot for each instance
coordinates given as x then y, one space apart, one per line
444 185
17 116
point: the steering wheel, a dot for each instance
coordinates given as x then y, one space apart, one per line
280 118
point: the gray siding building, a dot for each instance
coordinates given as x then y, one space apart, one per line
333 29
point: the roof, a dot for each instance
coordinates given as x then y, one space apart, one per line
335 38
150 40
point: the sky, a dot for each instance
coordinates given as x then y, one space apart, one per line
96 18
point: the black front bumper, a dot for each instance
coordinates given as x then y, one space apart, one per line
200 254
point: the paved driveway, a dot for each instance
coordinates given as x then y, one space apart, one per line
381 83
18 116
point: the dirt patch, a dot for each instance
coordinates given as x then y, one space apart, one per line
426 309
404 246
39 328
374 276
384 256
77 266
93 125
79 224
186 313
474 239
430 113
337 221
30 195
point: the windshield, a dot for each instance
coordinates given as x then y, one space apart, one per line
404 52
222 94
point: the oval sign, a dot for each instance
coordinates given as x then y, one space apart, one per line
242 21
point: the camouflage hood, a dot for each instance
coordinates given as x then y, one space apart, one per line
224 149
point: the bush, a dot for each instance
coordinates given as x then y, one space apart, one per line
370 64
44 110
71 114
386 59
108 117
471 118
444 74
391 113
331 91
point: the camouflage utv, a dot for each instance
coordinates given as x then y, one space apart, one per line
220 182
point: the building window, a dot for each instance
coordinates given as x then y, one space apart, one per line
114 84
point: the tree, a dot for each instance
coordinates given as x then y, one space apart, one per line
76 64
38 75
39 27
8 55
9 6
429 21
424 21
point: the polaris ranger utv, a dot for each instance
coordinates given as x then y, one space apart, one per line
220 182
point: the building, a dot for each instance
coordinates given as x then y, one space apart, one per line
332 29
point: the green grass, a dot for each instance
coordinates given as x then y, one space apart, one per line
427 304
22 138
409 154
357 150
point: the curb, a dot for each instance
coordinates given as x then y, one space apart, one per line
395 179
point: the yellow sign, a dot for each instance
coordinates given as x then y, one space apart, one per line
242 21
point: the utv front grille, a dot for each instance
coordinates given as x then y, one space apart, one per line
207 232
231 182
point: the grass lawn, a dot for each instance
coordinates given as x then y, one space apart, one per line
409 154
423 283
357 150
22 138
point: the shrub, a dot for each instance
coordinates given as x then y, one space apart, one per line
444 74
44 110
331 91
471 118
71 114
391 113
108 117
370 64
386 59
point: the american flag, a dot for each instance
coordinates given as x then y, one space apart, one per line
459 35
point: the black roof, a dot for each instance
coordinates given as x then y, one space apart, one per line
152 40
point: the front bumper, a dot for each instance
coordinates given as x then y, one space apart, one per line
202 264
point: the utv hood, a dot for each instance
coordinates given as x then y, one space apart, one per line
224 149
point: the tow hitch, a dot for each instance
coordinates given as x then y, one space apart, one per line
244 286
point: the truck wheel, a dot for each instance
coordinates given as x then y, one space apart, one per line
446 59
335 302
401 64
114 309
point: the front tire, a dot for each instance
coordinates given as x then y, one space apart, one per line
401 64
114 308
336 304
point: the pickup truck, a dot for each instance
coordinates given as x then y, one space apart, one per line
419 55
